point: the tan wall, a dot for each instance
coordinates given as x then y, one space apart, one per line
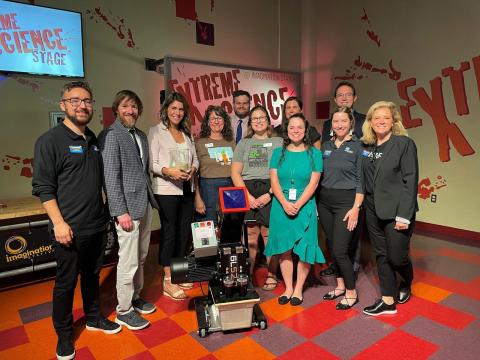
421 39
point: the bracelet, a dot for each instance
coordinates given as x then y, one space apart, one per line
270 193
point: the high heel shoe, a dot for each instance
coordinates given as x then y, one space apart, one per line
331 295
346 306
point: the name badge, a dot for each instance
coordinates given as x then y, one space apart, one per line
327 153
292 194
267 145
76 149
209 145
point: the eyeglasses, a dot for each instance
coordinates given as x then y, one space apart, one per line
259 119
216 119
76 102
346 95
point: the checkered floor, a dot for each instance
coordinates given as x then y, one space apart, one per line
441 321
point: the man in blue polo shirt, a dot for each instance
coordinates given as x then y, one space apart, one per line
68 179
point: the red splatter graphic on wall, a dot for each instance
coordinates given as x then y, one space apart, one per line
33 85
363 65
372 35
427 189
117 24
10 161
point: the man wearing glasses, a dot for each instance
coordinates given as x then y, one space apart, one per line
68 179
345 95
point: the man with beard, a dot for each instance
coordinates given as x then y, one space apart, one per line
67 177
130 198
241 108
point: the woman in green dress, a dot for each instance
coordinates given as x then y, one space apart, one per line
295 171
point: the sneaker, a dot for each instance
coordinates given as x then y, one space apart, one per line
132 320
105 325
143 307
380 308
65 349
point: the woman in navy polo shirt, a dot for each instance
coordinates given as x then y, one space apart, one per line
341 196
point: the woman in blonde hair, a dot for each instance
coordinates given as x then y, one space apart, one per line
390 173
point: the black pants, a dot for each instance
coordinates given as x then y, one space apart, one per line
176 215
84 256
391 249
332 207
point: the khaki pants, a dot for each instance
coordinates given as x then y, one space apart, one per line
132 252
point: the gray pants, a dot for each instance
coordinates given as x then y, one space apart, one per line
132 252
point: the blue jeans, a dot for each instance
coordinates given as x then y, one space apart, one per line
209 194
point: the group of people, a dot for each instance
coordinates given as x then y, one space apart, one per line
293 176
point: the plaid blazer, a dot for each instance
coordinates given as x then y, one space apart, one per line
127 178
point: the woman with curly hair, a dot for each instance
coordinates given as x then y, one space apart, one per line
215 152
295 171
173 184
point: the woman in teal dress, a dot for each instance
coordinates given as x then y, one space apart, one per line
295 171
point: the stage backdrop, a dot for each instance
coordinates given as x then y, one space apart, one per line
208 83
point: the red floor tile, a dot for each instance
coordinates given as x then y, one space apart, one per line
318 318
13 337
159 332
307 351
460 255
398 345
433 311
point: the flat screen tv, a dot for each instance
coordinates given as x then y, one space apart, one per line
40 40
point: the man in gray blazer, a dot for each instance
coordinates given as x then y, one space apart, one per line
130 199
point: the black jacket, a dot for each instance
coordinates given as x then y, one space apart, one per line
395 179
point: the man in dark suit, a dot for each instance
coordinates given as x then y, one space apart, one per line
345 95
130 199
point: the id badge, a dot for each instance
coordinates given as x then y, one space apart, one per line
292 194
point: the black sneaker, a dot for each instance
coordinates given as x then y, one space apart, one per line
105 325
143 307
65 349
380 308
132 320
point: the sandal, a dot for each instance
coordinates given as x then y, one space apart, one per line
341 306
186 286
270 285
173 291
332 295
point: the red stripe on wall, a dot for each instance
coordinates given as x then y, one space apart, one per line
446 230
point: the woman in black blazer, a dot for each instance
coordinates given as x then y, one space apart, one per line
390 170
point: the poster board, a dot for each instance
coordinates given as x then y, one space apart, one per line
208 83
